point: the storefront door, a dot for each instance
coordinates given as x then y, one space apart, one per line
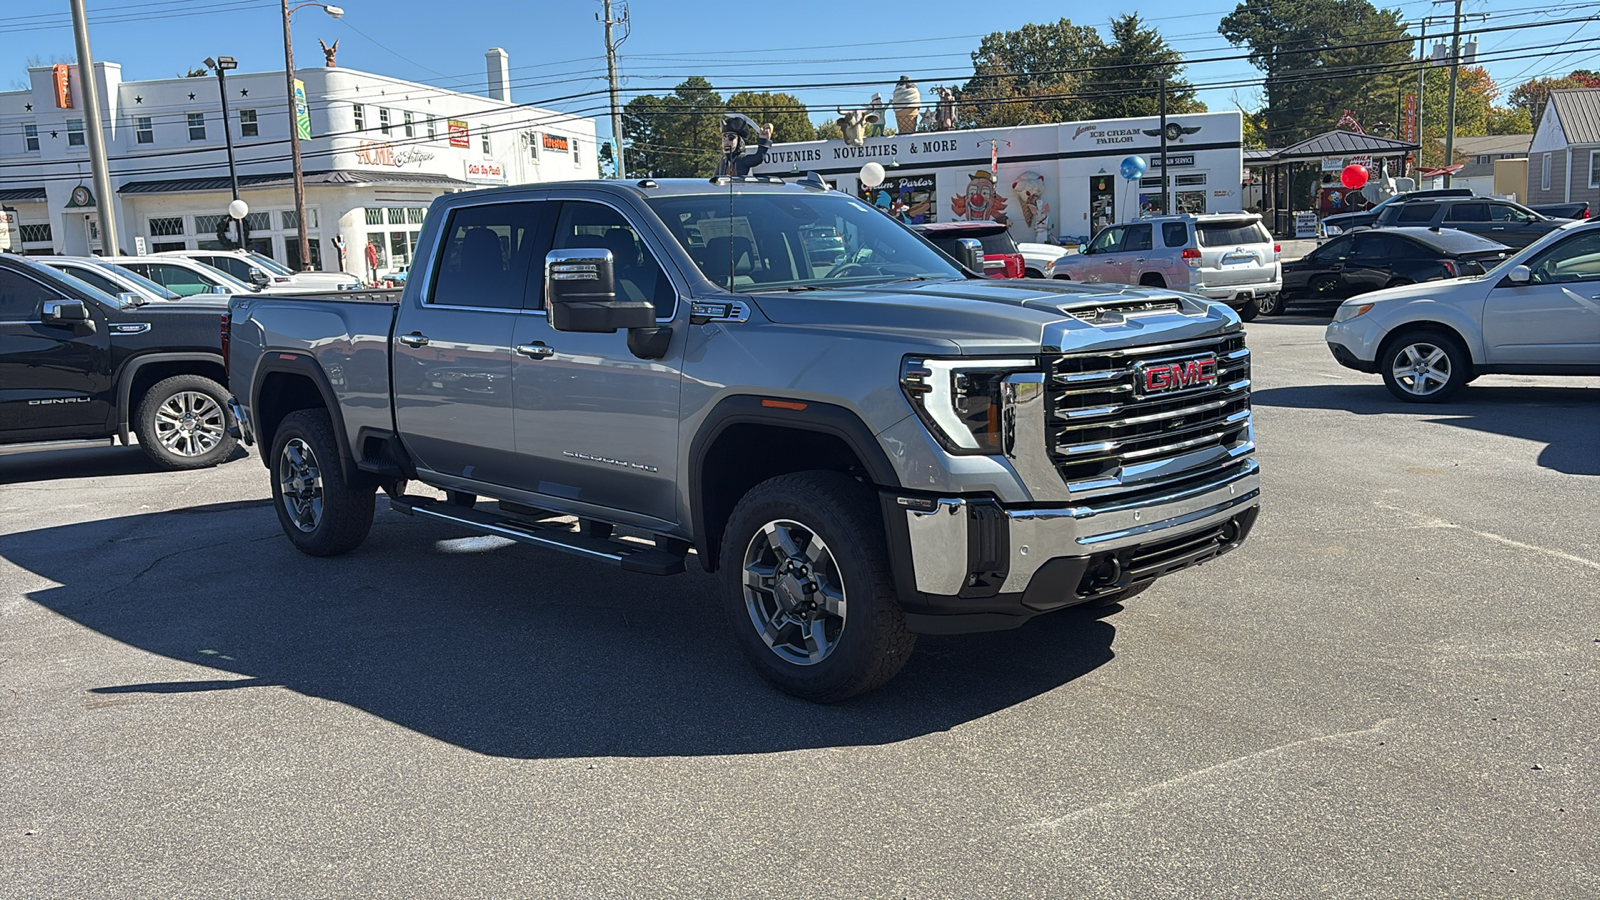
1102 202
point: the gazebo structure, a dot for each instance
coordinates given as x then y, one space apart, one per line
1276 168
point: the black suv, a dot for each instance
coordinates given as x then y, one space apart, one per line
80 367
1508 223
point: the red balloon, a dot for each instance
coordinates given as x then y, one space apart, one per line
1353 176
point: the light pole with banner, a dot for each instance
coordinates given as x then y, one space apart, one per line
299 125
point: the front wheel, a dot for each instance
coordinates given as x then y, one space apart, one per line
808 587
1425 367
322 513
183 423
1248 311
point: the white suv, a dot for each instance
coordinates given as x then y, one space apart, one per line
1220 256
1537 313
267 273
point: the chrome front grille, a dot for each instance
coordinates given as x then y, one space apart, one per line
1107 439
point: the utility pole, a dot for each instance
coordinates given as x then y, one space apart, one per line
611 75
1455 69
1166 192
105 203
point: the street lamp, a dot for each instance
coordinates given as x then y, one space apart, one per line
294 128
221 65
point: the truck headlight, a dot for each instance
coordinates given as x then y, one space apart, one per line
962 402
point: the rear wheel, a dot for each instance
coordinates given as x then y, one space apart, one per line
1270 304
1425 367
183 423
322 513
808 587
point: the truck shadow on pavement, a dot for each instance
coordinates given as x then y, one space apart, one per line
1566 420
494 647
91 462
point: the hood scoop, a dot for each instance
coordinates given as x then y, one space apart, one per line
1116 310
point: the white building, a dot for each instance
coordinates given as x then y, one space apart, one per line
1059 181
380 151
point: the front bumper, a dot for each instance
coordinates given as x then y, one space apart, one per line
1355 342
1020 562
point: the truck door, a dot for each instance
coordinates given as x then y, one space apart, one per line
55 380
452 344
596 423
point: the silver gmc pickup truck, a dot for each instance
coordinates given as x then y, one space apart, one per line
866 446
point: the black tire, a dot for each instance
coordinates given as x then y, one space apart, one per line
1032 273
327 515
1247 312
1444 374
1152 280
871 642
1270 304
183 423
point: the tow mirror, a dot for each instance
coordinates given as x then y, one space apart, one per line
969 253
69 313
580 294
1519 275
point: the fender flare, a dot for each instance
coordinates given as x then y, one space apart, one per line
305 366
823 418
131 368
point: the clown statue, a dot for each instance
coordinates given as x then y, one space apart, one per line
737 132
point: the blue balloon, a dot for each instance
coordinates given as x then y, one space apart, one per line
1134 167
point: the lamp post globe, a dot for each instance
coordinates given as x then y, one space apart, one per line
238 209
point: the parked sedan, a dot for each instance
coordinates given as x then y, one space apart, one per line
1372 260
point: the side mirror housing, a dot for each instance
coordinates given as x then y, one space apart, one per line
259 277
580 294
1519 275
1083 249
68 313
970 254
129 300
219 289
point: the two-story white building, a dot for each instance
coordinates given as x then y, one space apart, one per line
380 151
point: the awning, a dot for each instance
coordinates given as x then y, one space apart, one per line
1332 143
286 179
22 194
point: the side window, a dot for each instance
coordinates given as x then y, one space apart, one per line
1334 250
1138 238
1575 259
589 226
21 297
1376 247
1174 234
181 281
1108 241
233 265
1505 212
487 253
95 279
1413 213
1468 212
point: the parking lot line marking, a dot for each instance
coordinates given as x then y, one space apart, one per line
1441 523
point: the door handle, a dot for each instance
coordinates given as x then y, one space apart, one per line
1139 259
535 350
414 339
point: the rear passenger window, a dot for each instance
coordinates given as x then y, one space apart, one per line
595 226
1416 212
487 254
1138 238
1174 234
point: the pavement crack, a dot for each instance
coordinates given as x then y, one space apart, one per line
1431 522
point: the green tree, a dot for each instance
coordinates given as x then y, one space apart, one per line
790 119
1126 78
1029 76
1298 45
1509 120
830 131
1533 94
675 136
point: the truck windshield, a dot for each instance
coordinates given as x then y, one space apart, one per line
773 242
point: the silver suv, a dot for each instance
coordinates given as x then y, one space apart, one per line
1222 256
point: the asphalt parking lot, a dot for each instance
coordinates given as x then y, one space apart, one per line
1390 691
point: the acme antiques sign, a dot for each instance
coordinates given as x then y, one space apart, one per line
382 153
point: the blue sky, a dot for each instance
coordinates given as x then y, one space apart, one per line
557 52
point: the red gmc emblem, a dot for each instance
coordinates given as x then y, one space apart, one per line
1176 375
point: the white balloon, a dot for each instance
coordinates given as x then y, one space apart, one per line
872 174
238 209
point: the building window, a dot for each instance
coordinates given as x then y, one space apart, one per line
247 123
164 246
487 149
197 126
143 131
415 214
75 133
36 234
1544 173
1150 182
361 116
30 138
208 225
576 161
433 128
383 120
397 215
1189 180
258 221
374 215
1594 170
291 222
378 241
411 130
167 226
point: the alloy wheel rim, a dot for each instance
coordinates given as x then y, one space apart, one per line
793 592
300 481
1421 369
190 424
